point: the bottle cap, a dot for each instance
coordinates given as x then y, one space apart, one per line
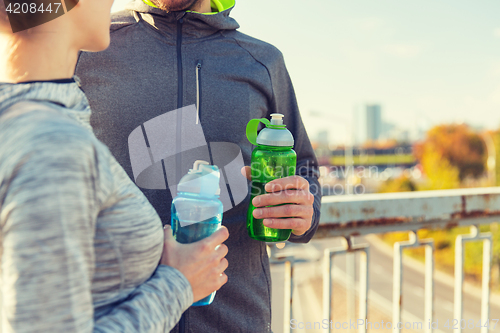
202 179
276 119
274 134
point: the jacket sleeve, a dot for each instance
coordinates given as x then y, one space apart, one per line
285 102
48 210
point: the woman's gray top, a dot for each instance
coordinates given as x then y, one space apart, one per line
80 242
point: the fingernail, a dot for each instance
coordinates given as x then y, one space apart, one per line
269 187
257 212
256 201
268 222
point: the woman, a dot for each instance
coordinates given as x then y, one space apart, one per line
82 249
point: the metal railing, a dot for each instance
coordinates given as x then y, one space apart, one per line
357 215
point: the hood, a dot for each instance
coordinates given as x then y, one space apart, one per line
195 24
66 97
217 5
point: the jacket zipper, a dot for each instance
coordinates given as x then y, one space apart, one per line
178 147
179 63
198 68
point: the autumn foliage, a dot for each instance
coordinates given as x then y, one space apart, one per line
449 155
456 148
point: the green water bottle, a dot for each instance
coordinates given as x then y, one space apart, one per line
273 158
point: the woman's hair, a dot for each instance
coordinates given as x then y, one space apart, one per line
4 20
23 21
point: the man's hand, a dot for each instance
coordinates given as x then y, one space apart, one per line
202 263
293 192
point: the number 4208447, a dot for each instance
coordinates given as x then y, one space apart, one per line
464 324
32 8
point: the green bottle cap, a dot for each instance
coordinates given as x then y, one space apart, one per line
275 133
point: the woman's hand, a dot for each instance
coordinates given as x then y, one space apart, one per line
202 263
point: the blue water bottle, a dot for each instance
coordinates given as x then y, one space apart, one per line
197 210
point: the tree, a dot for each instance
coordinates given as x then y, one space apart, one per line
441 175
452 146
400 184
495 135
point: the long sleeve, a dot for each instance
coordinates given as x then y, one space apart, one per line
155 306
49 204
281 99
285 102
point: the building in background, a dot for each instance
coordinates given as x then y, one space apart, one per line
392 132
368 125
321 147
373 122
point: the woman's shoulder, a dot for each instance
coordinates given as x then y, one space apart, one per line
34 124
43 142
41 132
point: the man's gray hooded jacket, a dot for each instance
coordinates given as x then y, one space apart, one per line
159 62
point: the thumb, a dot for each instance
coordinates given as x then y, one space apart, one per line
247 172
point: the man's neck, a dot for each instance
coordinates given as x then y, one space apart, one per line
202 6
35 59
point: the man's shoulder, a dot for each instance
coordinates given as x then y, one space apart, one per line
262 51
122 19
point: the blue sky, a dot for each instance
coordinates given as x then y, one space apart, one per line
426 62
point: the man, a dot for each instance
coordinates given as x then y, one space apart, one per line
169 54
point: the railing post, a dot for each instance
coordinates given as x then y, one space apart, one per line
429 287
485 299
397 278
363 286
459 276
288 262
363 281
288 295
327 286
459 280
397 296
350 268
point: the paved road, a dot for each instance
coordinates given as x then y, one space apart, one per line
380 278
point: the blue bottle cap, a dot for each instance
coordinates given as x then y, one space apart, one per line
202 179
